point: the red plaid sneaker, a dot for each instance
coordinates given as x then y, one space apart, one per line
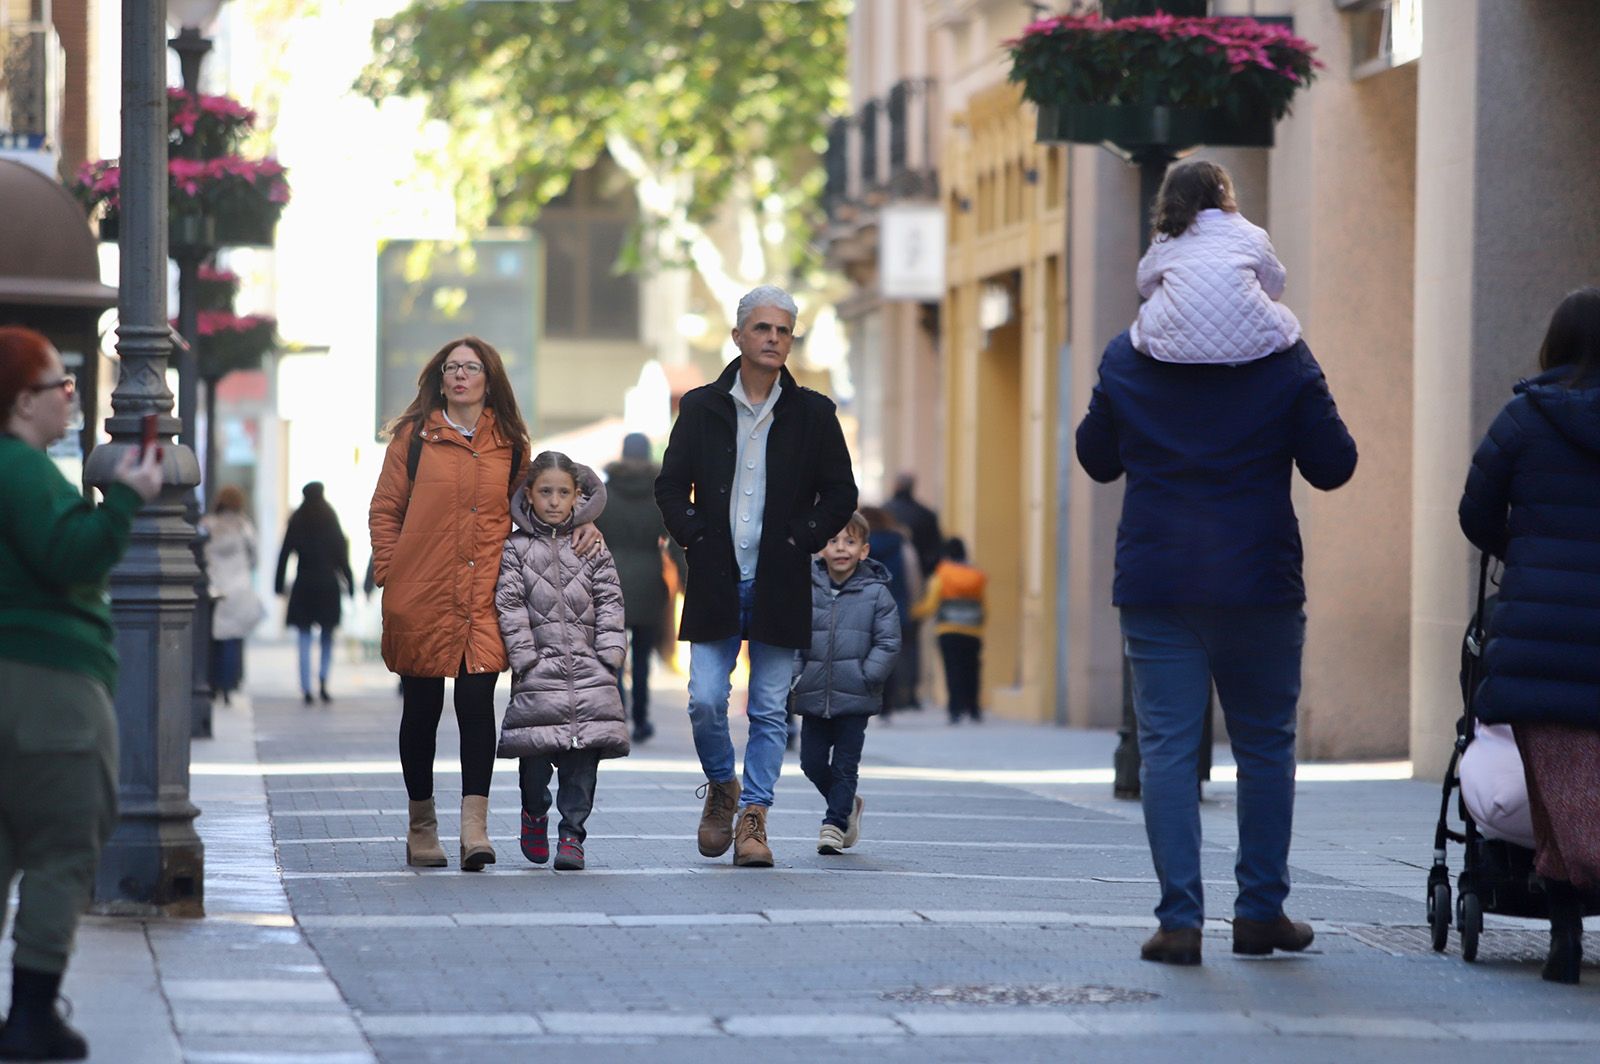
569 855
535 840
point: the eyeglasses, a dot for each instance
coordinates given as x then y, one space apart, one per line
68 384
471 369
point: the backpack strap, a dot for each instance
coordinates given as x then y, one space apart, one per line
414 453
516 468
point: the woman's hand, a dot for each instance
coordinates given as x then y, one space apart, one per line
587 540
140 469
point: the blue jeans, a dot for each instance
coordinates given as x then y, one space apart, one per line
1254 657
305 657
710 684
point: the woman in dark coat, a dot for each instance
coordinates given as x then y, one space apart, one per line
1533 499
634 531
322 578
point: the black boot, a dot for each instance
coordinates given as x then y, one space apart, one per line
34 1030
322 691
1566 932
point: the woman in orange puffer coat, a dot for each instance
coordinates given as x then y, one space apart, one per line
439 518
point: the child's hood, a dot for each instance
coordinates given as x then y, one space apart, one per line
591 503
869 572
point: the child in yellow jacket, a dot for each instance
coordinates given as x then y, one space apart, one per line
954 599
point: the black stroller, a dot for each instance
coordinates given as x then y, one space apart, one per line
1496 876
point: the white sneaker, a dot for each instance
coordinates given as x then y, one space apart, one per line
830 840
852 831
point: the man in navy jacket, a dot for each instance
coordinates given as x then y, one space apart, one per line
1209 585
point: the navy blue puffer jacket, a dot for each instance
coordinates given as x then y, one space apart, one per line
1209 451
1533 499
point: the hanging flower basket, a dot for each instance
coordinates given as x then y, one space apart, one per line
1160 80
217 288
225 202
215 125
230 342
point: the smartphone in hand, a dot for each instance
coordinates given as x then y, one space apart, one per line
147 433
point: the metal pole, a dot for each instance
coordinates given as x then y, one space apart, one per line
154 863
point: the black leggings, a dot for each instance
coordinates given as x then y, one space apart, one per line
423 704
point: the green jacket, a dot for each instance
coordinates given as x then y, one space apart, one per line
56 552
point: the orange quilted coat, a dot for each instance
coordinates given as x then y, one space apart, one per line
436 549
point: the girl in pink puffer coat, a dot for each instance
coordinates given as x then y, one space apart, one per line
1211 281
562 619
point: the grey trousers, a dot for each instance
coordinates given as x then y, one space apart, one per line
58 803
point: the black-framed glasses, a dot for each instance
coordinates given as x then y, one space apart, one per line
68 383
471 369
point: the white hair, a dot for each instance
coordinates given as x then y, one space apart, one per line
766 295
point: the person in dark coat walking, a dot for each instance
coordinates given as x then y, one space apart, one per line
922 524
1533 499
631 524
1209 585
855 639
756 478
322 578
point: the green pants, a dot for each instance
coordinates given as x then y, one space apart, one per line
58 803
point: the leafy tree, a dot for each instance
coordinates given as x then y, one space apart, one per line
716 110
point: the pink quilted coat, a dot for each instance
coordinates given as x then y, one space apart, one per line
562 620
1211 294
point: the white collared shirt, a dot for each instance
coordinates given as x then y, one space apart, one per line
752 426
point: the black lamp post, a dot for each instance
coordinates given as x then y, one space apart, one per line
154 861
193 241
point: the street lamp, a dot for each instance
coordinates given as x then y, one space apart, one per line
193 242
154 861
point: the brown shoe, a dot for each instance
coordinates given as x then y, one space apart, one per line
750 845
716 819
475 849
422 837
1181 945
1259 937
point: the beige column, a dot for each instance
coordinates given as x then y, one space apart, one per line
1508 220
1102 300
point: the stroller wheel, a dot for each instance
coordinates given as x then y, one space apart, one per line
1469 922
1439 915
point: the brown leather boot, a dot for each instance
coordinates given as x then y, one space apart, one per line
750 848
1259 937
475 849
1181 945
422 837
716 819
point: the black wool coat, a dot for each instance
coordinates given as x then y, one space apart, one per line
811 493
632 526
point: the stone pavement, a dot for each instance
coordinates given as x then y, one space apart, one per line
992 911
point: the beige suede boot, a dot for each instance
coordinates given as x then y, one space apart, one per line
750 848
475 849
422 837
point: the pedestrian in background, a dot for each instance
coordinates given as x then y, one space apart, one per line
634 533
855 641
922 525
1209 431
562 617
230 540
322 579
890 547
58 673
756 479
1533 499
440 515
954 599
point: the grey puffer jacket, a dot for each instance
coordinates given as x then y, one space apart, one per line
561 617
855 638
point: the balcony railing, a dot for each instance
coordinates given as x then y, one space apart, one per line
885 150
32 84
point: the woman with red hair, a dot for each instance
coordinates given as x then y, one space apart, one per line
58 746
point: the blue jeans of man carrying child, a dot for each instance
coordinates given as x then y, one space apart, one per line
710 684
1254 656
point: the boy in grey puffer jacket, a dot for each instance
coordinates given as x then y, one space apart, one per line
855 638
561 617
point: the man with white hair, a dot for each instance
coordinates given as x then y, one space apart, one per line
755 480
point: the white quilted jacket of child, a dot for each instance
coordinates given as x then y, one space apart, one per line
1210 294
